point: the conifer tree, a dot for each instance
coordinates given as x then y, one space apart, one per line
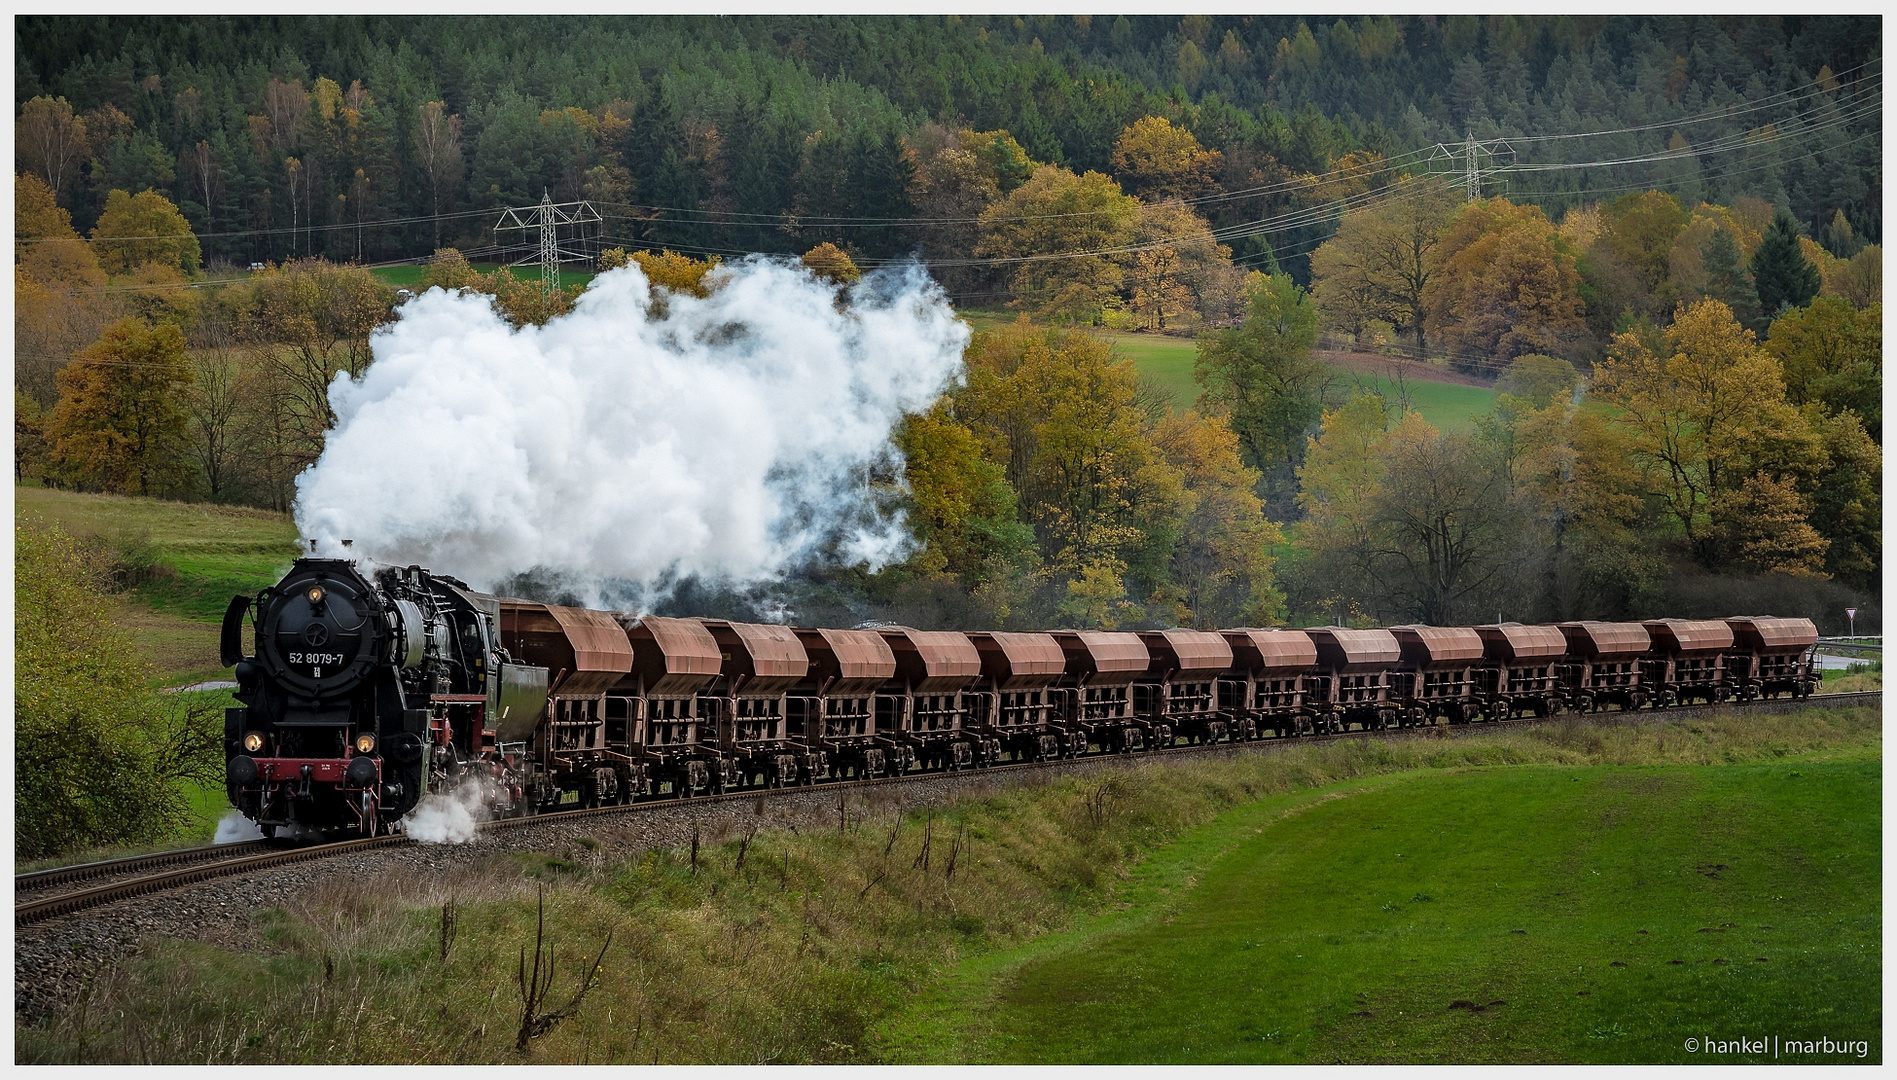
1781 274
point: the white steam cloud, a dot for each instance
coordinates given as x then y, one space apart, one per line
727 437
454 816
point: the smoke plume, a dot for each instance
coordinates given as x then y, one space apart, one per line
644 438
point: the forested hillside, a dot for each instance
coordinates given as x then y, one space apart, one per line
1668 266
283 137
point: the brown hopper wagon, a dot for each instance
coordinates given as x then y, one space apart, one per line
1018 703
1266 685
1177 694
585 653
833 710
1604 664
673 662
1101 667
1687 661
1435 674
1770 657
1351 684
759 663
925 703
1521 669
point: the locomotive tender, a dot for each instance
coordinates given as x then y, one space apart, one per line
363 691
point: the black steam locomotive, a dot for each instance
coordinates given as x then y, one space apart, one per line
364 693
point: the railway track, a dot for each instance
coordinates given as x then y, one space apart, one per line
192 865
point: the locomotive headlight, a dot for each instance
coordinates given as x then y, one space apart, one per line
253 741
365 743
315 595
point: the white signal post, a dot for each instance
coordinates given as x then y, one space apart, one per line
1850 614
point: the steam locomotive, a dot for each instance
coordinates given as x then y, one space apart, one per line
363 691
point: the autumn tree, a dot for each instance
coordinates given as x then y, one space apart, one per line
50 142
1338 484
99 759
1061 239
44 242
1061 416
1156 160
59 306
958 174
1382 260
1221 568
1262 377
449 269
1846 500
120 424
1444 530
1780 271
1506 287
1583 503
438 152
961 508
140 229
1705 413
1860 279
1833 354
1177 271
831 263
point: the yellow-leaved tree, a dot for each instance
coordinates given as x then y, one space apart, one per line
1707 422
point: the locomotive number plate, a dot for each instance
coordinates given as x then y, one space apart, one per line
316 658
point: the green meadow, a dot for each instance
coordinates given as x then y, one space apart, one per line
1516 914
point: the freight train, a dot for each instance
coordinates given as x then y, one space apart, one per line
365 689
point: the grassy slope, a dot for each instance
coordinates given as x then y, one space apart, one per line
1341 926
216 551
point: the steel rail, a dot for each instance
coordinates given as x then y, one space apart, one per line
62 875
68 903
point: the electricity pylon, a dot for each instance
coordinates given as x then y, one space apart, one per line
549 217
1472 161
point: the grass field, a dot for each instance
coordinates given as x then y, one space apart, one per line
1496 915
192 558
1213 910
407 277
1167 362
212 551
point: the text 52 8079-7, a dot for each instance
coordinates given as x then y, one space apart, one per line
329 658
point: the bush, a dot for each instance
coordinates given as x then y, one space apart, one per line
98 758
